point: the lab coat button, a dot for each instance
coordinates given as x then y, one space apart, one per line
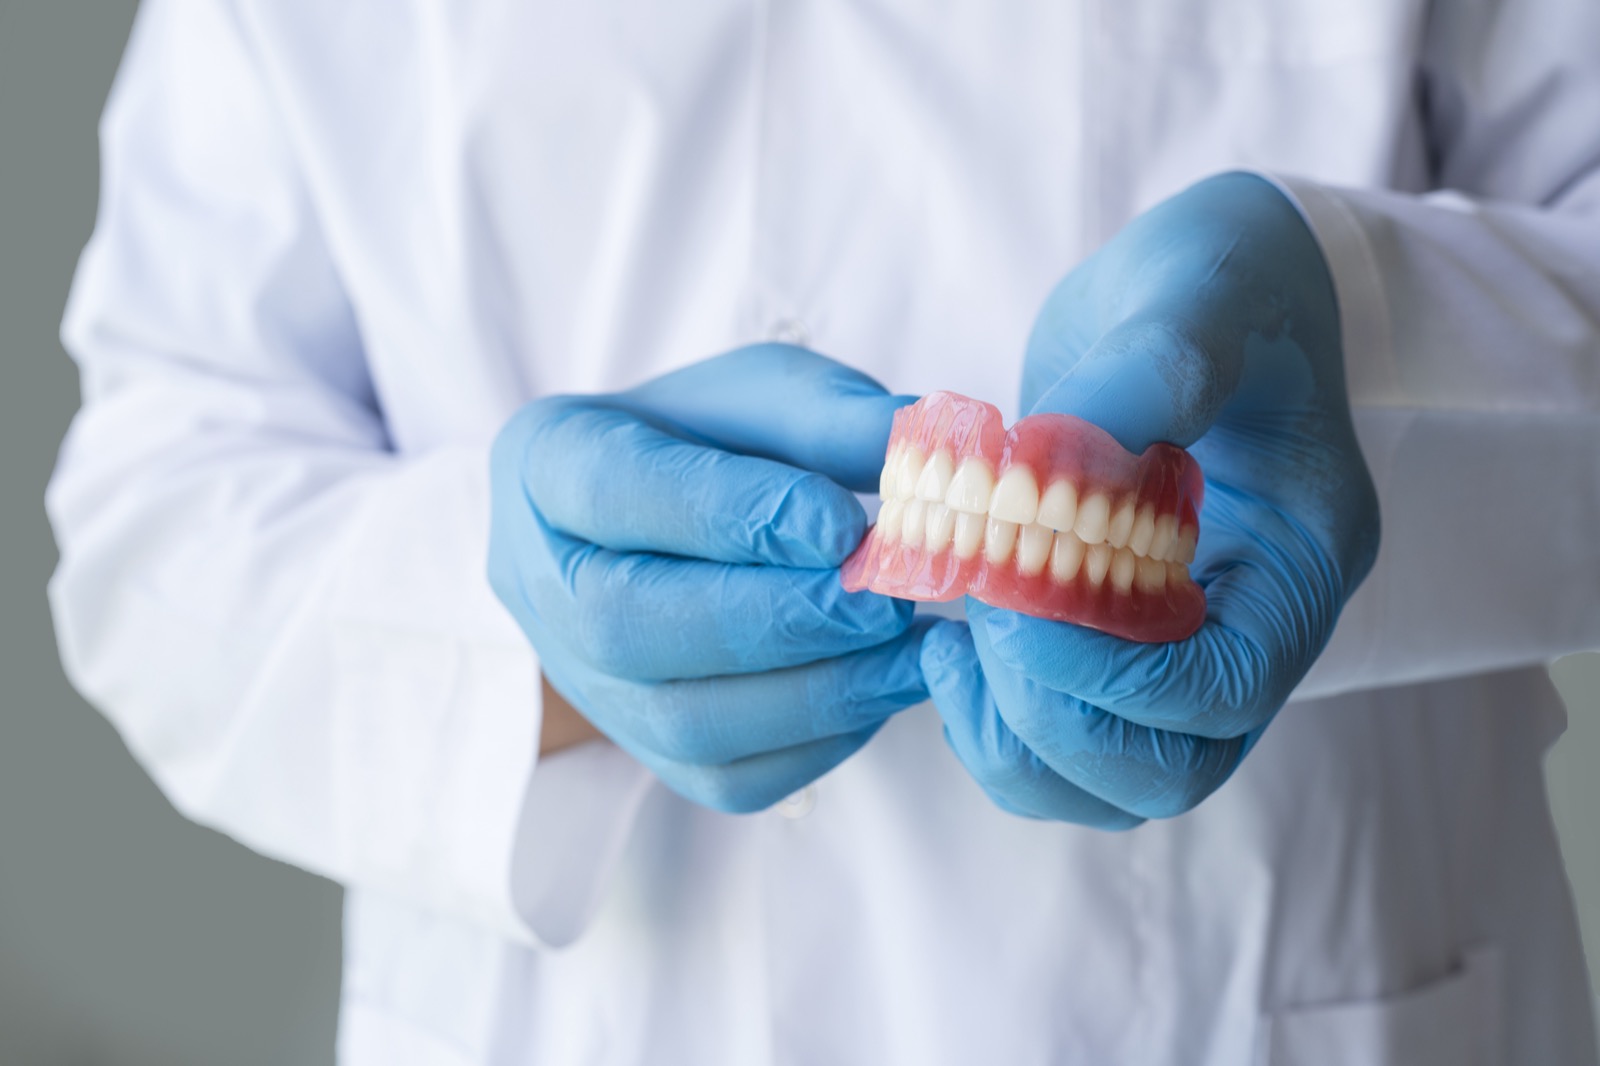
789 331
799 804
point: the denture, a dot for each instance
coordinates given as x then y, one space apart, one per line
1052 518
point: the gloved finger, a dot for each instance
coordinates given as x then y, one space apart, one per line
783 403
719 720
603 475
1158 375
1271 603
1154 773
655 617
1014 777
756 783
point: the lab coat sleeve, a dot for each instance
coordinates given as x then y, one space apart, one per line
288 621
1471 326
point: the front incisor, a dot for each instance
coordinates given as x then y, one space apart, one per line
999 537
1058 507
969 533
1096 561
1094 519
941 522
934 482
912 528
1016 497
905 480
971 489
1033 549
1066 555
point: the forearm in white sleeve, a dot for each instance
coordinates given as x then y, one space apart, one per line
1471 322
289 623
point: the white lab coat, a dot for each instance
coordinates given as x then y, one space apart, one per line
340 243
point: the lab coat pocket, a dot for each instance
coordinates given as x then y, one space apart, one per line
1453 1021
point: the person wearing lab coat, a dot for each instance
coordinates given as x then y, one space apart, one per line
341 252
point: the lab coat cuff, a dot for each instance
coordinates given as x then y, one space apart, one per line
1364 314
1371 377
577 815
438 718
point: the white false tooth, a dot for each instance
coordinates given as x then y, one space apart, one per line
1096 561
891 465
1066 555
936 476
1033 549
1094 515
941 527
1144 531
971 488
905 480
1058 507
1166 532
969 533
1183 551
999 537
1123 564
1177 574
1150 576
889 518
1016 497
1121 527
913 527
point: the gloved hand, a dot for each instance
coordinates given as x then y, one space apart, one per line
671 553
1209 322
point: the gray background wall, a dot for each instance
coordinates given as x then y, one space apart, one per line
127 935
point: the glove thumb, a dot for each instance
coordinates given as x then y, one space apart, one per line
1150 378
780 402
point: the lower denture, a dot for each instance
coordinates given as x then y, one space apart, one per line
1052 518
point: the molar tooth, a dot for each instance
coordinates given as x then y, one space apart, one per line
971 488
1166 532
941 526
1144 531
1093 517
1183 551
1066 555
1016 497
934 482
1033 549
1122 568
999 536
913 527
889 518
969 533
1058 508
1121 527
1151 575
1096 561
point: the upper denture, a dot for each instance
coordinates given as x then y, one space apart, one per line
1052 518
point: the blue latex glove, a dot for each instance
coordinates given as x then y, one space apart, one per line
1209 322
671 553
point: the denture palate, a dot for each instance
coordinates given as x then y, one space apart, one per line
1052 518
